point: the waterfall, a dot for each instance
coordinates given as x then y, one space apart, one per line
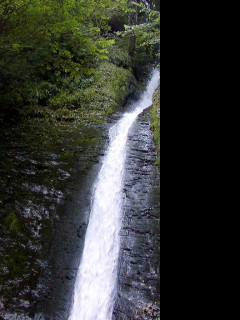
95 288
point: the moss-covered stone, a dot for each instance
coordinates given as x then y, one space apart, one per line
12 222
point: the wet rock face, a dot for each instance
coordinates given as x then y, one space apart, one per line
44 210
40 181
139 271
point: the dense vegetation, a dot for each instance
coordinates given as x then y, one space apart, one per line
51 48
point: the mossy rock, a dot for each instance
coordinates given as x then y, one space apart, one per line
13 223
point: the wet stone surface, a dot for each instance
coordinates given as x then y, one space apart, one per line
139 271
41 172
45 196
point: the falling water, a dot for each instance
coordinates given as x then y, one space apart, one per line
95 287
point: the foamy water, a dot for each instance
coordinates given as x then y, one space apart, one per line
95 288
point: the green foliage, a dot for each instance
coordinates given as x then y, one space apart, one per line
104 91
144 33
111 85
119 56
50 53
48 39
118 15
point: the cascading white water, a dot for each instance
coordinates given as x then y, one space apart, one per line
95 288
